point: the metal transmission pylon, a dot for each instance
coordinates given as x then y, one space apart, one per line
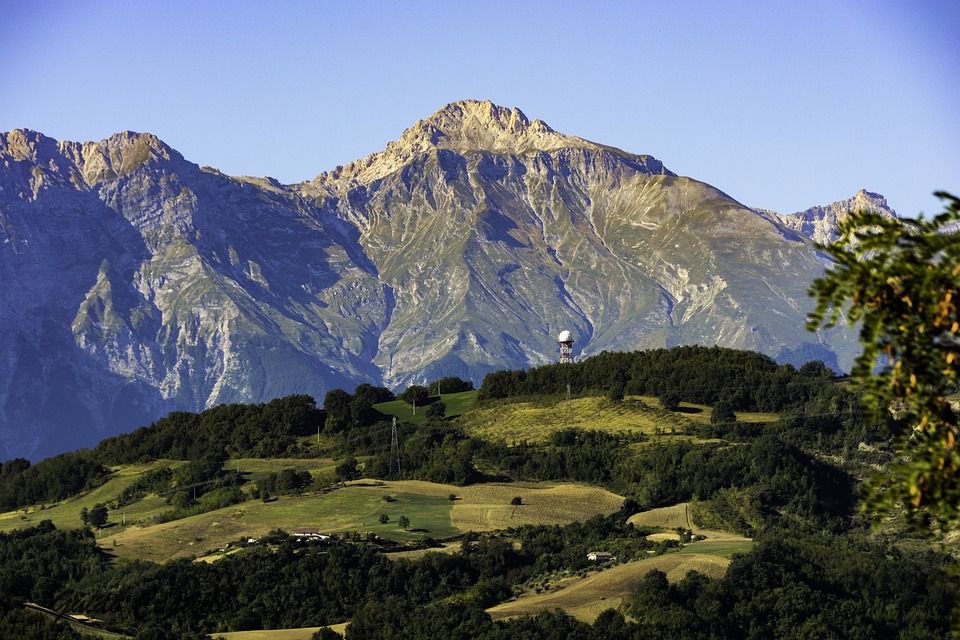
394 448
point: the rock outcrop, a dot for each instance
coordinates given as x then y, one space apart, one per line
820 223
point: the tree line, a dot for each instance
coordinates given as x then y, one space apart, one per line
750 381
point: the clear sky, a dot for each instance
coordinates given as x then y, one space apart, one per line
781 104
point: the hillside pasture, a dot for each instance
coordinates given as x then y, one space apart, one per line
66 514
585 598
456 404
679 516
486 507
357 508
534 421
304 633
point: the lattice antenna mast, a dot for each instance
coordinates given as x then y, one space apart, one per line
394 448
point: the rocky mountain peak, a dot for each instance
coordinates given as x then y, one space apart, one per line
820 223
85 163
470 125
464 126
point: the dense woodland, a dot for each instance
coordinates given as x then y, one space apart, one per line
816 570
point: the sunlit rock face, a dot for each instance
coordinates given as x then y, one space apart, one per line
133 282
820 223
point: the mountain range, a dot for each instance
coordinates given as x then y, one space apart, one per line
134 282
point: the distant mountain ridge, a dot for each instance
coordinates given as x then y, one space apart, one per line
820 223
135 282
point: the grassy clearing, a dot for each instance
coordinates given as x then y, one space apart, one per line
486 507
456 405
718 543
276 465
304 633
535 421
585 598
700 413
66 514
665 517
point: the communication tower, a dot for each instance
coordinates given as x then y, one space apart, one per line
566 347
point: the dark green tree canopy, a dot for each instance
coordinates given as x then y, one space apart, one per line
415 393
436 411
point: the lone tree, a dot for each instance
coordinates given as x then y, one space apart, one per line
900 280
403 522
670 400
349 469
436 411
97 516
415 394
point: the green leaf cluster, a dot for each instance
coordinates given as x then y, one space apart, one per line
899 279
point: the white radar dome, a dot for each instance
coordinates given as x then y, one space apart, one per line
564 337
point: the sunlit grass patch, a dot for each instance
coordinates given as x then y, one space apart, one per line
533 422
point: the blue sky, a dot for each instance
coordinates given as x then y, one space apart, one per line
782 105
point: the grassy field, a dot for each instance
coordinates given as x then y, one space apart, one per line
486 507
66 514
585 598
358 507
456 405
718 543
304 633
533 422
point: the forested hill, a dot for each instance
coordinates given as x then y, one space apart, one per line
749 381
766 451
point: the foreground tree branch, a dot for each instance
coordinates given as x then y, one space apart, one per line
899 280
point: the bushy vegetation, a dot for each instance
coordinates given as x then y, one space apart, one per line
789 482
790 585
205 439
238 430
49 480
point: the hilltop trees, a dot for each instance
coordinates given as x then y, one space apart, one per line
450 384
415 393
345 411
260 431
695 374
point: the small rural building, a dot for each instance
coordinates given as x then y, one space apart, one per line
600 556
309 534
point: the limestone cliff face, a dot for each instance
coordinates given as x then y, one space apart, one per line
133 282
820 223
